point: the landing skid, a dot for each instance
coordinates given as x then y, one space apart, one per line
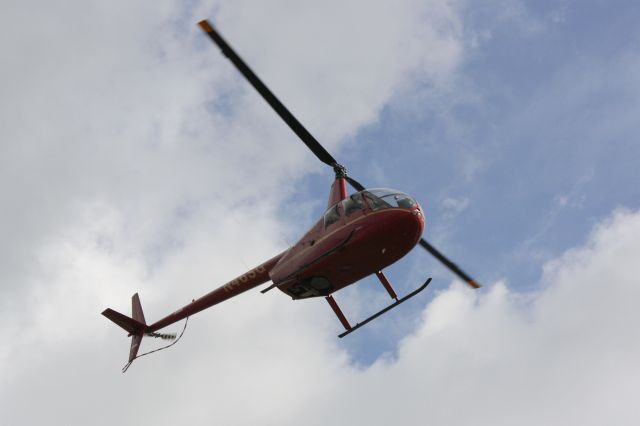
349 328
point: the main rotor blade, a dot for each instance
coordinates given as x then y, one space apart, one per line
431 249
355 183
449 264
268 96
306 137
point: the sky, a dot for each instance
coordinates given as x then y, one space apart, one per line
134 158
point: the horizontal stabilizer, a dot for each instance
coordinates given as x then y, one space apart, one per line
128 324
136 326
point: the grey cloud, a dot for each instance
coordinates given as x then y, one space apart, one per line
121 173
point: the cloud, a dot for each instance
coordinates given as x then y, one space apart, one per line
455 205
134 158
108 104
123 170
564 355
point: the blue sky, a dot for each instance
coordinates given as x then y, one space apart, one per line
535 137
136 159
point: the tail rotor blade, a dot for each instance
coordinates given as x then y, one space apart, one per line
449 264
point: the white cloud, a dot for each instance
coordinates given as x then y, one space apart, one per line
455 206
566 355
563 356
134 158
107 103
116 179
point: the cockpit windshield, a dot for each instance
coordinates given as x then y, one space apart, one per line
352 203
380 198
376 199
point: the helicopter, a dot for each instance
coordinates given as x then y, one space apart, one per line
358 235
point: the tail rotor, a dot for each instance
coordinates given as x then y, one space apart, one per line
136 326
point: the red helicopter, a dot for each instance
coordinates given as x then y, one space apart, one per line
358 235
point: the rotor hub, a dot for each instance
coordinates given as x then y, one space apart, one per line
340 170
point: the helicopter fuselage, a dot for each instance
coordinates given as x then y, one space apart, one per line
356 237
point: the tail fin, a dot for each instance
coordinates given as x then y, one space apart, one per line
135 326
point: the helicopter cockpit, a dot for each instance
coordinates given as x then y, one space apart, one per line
375 198
382 198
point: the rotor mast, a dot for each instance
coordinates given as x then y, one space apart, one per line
339 187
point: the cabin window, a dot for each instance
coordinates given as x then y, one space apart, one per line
389 198
332 215
374 202
352 204
399 200
405 202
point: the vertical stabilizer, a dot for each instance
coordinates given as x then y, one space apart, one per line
136 326
136 309
138 315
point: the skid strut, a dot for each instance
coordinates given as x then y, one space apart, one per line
338 312
387 285
343 319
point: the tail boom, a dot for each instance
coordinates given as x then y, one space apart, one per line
137 326
248 280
